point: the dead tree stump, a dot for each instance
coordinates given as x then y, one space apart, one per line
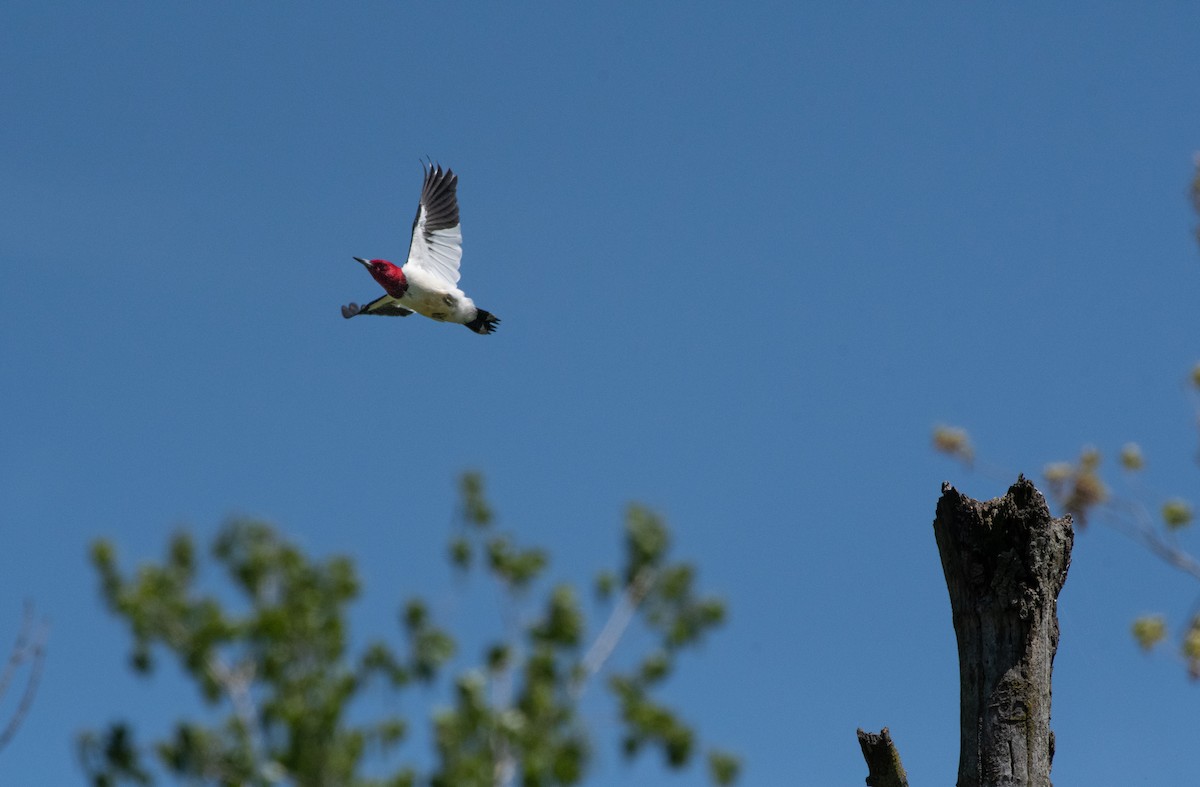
883 761
1005 562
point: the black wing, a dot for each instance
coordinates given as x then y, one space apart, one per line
385 306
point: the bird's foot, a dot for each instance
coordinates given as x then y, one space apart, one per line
350 310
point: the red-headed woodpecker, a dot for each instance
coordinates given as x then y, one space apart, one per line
427 284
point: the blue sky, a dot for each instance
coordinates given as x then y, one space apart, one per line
745 260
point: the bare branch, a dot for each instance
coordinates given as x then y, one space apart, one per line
30 646
615 626
235 682
1133 520
1126 516
17 655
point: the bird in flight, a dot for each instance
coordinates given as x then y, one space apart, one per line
428 281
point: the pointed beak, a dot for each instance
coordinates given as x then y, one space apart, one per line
364 262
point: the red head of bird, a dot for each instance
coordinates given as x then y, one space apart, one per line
389 276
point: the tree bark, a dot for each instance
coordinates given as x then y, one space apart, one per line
1005 562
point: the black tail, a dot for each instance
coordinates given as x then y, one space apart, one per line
484 322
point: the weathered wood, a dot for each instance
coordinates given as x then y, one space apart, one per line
883 761
1005 562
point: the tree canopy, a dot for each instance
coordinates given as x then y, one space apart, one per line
277 673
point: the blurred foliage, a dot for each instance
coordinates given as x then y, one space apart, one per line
1079 488
1131 457
1176 513
954 442
1149 631
271 661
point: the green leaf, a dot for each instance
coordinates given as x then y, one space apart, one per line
1149 631
499 657
416 614
606 583
460 553
563 624
1191 641
475 508
1176 513
1131 457
655 667
723 767
646 541
182 554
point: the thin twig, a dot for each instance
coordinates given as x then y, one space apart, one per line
31 645
17 655
505 767
1140 527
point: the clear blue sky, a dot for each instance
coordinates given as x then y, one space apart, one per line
745 260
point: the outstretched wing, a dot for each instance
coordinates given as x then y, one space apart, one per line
436 246
385 305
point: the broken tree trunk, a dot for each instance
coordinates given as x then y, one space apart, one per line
883 761
1005 562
